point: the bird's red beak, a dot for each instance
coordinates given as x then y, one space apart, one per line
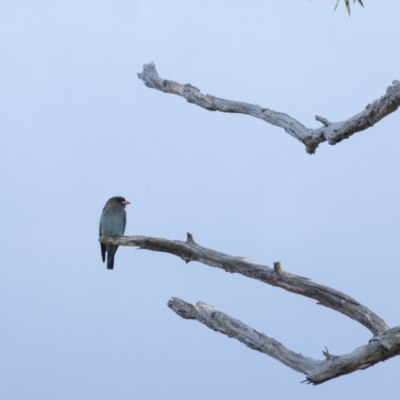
125 202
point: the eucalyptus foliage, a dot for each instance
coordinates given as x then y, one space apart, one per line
347 2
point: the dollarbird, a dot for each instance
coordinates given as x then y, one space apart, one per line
112 223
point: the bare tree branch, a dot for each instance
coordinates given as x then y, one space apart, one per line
384 344
333 132
380 348
191 251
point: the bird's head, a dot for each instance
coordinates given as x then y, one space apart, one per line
121 200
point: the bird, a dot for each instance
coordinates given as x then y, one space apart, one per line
112 223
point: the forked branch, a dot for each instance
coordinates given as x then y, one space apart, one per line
332 132
385 343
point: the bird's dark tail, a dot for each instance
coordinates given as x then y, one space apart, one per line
110 261
111 250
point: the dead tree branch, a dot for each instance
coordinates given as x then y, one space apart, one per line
384 344
380 348
332 132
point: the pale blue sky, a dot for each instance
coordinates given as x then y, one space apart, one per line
78 127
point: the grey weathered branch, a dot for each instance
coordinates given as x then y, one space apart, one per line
385 343
191 251
332 132
380 348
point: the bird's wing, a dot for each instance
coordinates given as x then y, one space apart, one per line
103 251
124 222
102 245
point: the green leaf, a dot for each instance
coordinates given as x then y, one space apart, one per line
336 5
347 5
